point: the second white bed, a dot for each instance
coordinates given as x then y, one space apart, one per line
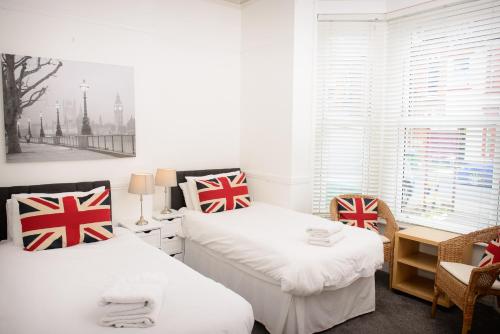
261 253
279 311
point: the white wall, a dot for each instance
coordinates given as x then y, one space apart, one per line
276 72
392 5
266 97
186 56
302 113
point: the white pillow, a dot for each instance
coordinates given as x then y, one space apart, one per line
193 190
14 224
187 195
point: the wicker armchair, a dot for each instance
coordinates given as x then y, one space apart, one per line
390 230
458 251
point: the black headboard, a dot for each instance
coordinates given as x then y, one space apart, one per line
6 193
177 198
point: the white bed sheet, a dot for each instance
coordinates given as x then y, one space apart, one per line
272 241
57 291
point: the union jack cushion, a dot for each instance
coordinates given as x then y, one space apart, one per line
223 193
48 222
360 212
491 253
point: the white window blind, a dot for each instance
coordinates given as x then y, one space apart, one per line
443 108
349 73
431 150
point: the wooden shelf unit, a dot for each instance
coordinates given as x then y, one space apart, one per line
408 260
422 287
420 260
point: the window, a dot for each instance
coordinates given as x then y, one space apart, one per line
348 94
438 162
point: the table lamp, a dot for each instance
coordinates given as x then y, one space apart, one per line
141 184
167 178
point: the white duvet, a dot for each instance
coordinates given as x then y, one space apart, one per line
57 291
272 241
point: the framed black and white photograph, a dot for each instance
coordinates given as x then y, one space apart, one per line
58 110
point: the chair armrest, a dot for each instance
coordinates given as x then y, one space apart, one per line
391 226
453 250
459 248
482 278
334 214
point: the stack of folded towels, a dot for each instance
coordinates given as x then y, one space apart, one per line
133 301
326 234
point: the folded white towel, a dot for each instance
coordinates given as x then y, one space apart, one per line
116 309
326 242
132 320
320 234
324 229
134 301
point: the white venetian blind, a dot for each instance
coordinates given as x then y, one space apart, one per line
348 95
443 109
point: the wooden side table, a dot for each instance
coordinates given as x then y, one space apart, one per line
409 259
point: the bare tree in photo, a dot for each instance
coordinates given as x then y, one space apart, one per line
19 92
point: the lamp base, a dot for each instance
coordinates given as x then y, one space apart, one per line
166 211
141 221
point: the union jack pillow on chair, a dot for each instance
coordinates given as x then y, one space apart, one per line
48 222
491 253
360 212
223 193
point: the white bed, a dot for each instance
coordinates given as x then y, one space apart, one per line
57 291
261 253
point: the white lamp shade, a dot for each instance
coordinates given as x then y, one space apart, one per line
141 183
166 177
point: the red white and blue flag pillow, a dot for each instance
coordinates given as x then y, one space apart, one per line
223 193
360 212
48 222
491 253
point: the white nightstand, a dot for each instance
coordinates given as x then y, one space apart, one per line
172 239
150 233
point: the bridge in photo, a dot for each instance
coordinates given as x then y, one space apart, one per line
115 145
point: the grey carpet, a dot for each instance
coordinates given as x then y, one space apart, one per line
400 313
